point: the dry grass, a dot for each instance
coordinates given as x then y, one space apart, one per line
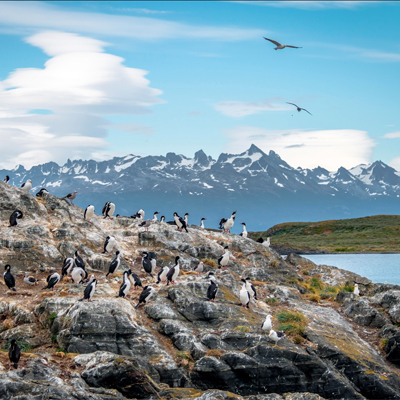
216 353
208 261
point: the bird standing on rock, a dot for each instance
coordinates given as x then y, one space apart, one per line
6 179
89 213
135 280
147 262
114 263
52 281
227 224
155 219
199 268
108 210
250 288
27 186
125 285
9 279
276 336
356 290
70 196
224 259
67 266
42 192
17 214
180 222
202 223
14 353
78 275
109 244
213 288
30 280
244 232
244 296
89 290
78 260
173 272
267 324
162 275
146 224
147 293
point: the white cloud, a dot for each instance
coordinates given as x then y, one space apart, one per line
308 5
392 135
36 15
330 149
238 109
395 163
78 85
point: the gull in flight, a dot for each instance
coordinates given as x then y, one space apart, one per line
281 46
299 108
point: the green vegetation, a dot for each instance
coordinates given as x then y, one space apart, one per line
272 301
242 329
52 317
184 354
293 323
378 233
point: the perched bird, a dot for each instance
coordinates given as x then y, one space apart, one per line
109 244
70 196
108 210
30 280
68 265
162 219
244 296
89 213
78 275
265 243
212 290
153 261
9 279
17 214
250 288
147 293
299 108
89 290
224 259
6 179
180 222
42 192
227 224
276 336
114 263
211 276
155 219
139 215
78 260
162 275
27 186
125 285
14 353
135 280
267 324
173 272
52 281
244 232
281 46
199 268
202 223
185 217
147 263
146 224
356 290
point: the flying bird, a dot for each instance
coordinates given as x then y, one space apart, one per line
299 108
280 46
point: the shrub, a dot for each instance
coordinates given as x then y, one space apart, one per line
52 317
274 263
305 272
313 297
293 323
184 354
297 339
272 301
242 329
54 338
316 283
383 343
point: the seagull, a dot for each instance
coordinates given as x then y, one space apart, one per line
276 336
30 280
267 324
27 186
199 268
356 290
70 196
299 108
280 46
146 224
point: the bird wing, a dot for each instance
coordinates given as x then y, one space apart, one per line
223 220
306 110
87 291
273 41
294 47
292 104
144 294
170 273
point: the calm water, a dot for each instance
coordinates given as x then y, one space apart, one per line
377 267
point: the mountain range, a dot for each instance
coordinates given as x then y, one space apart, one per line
262 188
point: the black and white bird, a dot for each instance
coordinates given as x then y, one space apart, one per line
42 192
173 272
68 265
180 222
299 108
78 260
109 244
135 280
267 324
155 219
52 281
244 296
162 219
224 259
30 280
125 285
281 46
250 288
114 263
227 224
27 186
265 243
148 262
89 213
146 224
162 274
78 275
276 336
14 353
108 210
185 218
70 196
244 231
139 215
199 268
147 293
6 179
89 290
202 223
17 214
9 279
212 289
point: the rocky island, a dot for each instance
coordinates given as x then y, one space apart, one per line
180 345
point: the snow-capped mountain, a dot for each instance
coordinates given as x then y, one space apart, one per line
259 182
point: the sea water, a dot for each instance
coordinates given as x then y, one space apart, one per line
377 267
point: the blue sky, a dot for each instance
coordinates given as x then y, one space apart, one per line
103 79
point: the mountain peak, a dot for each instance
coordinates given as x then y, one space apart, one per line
254 149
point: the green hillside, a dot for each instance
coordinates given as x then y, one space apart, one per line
379 233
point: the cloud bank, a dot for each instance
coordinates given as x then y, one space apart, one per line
238 109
